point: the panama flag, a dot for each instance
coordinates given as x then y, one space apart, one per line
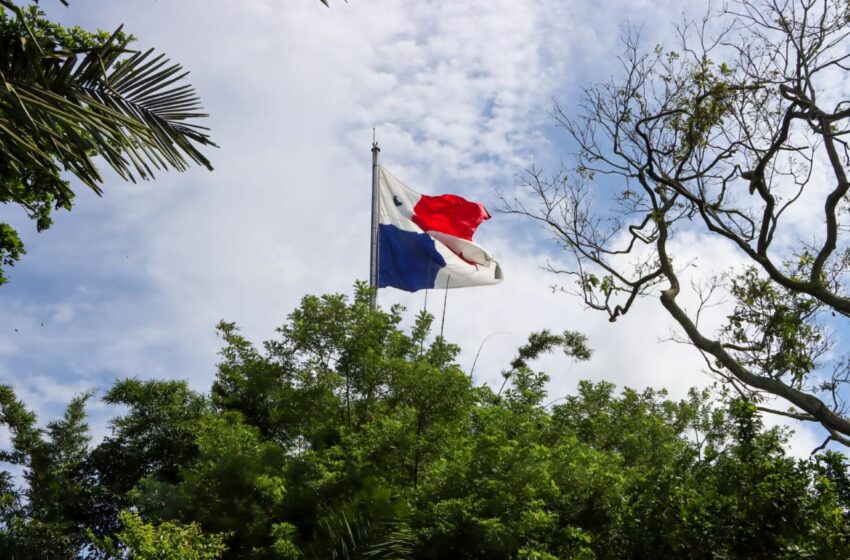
426 241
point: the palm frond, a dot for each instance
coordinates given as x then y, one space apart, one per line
363 529
59 107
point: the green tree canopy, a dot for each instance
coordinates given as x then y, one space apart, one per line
347 436
138 540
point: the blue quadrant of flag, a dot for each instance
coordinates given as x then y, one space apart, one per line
408 260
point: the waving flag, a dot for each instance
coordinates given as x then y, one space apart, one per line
426 241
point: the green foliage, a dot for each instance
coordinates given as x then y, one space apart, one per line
61 501
778 329
573 343
154 437
346 437
369 525
11 249
67 96
138 540
234 485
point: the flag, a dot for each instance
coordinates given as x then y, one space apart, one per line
426 241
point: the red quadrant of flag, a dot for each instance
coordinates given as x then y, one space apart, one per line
449 214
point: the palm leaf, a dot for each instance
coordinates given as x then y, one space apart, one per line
64 108
365 527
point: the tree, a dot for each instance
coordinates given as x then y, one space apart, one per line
168 541
348 437
68 96
62 501
733 134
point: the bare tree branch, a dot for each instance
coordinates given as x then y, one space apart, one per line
730 133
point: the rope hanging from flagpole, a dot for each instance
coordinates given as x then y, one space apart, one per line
445 298
481 346
425 303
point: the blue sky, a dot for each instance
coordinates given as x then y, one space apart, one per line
461 92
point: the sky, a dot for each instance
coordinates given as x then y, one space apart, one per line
461 95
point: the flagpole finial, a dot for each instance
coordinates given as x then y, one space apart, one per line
375 140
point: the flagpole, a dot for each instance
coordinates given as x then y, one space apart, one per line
376 209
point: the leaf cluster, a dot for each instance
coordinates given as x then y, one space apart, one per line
69 97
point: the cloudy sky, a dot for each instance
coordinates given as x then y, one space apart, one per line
460 92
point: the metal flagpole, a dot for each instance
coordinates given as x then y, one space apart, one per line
376 209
